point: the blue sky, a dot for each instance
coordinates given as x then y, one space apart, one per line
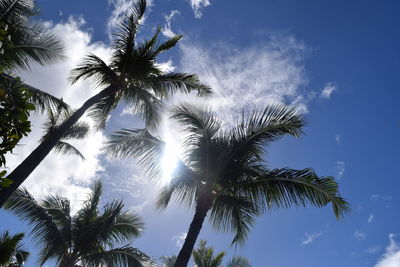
336 61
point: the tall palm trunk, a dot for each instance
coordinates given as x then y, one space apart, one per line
191 237
23 170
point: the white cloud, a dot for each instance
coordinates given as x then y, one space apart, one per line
328 90
197 7
360 235
167 30
66 175
340 167
391 258
310 238
338 138
370 218
373 249
267 73
179 239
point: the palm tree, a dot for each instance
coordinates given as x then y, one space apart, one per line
133 76
79 130
238 261
204 256
86 238
168 261
12 253
223 170
26 41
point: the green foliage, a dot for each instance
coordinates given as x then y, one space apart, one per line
88 236
204 256
12 253
15 106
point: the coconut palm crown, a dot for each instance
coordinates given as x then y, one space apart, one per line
223 171
132 76
87 238
12 252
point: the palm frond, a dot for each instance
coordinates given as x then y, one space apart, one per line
43 228
101 111
204 256
238 261
144 104
95 68
287 187
248 139
16 10
11 249
126 31
42 100
124 256
33 44
138 144
67 149
171 42
234 213
170 83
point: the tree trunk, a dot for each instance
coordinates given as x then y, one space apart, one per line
23 170
191 237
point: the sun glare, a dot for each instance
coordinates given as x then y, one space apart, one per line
169 160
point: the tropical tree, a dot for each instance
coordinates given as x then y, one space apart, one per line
79 130
168 261
12 253
23 40
204 256
238 261
86 238
133 76
223 171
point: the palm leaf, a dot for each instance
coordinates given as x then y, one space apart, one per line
234 213
238 261
67 149
286 187
124 256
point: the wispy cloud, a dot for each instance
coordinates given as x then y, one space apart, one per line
359 235
310 238
197 7
340 167
328 90
338 138
179 239
268 73
373 249
370 218
167 30
391 258
376 197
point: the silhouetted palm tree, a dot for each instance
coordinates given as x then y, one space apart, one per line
223 170
204 256
133 76
12 253
87 238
